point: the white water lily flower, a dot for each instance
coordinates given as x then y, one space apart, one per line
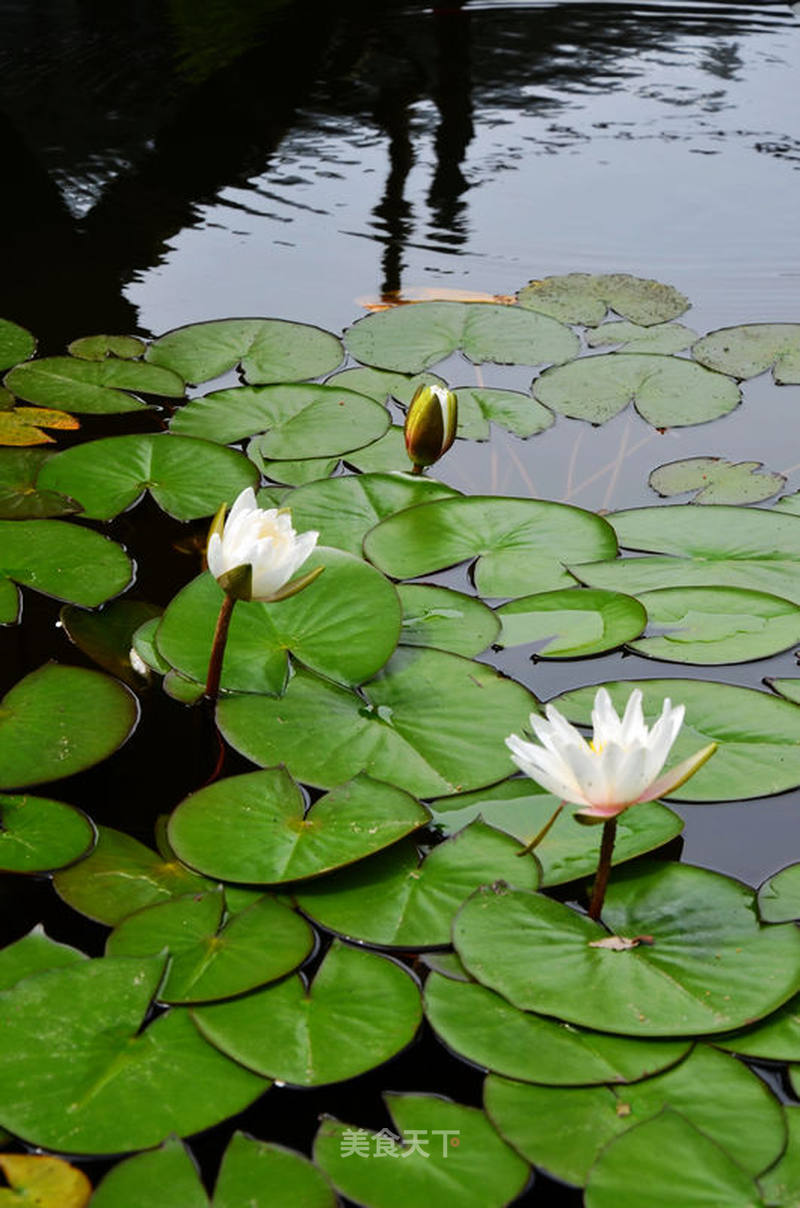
620 767
264 540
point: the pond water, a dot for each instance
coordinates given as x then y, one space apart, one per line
171 163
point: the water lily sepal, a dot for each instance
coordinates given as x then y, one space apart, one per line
430 427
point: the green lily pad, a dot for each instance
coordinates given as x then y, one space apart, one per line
39 835
34 953
758 736
122 876
571 623
268 350
568 850
10 603
358 1012
788 503
263 1175
713 625
522 545
585 298
345 626
188 478
97 348
343 509
710 966
20 498
143 641
81 1074
746 351
431 722
409 339
63 560
384 456
445 619
716 480
16 344
91 387
780 1185
161 1178
482 1027
664 338
383 385
789 688
400 900
480 406
180 688
291 473
298 421
564 1131
706 1173
58 721
107 636
448 1154
668 392
779 896
776 1038
255 828
213 957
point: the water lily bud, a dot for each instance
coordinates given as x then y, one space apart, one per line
430 427
254 553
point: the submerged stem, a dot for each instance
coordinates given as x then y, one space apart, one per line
603 868
218 647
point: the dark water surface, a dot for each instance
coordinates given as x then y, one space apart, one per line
170 162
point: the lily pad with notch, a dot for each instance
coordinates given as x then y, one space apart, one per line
166 1176
91 387
60 720
409 339
16 344
703 963
20 426
34 953
753 348
716 625
188 478
400 899
20 496
430 722
587 297
668 392
781 1183
444 619
571 623
39 835
518 413
521 545
384 385
264 1175
779 896
716 480
663 338
97 348
291 473
268 350
357 1013
385 456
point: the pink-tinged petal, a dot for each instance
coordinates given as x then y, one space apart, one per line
546 768
601 813
625 773
678 775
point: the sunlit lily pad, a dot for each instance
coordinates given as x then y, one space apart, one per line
431 722
758 736
570 623
269 350
263 1175
187 478
779 896
713 625
39 835
664 338
446 620
24 425
80 1074
716 480
359 1010
213 957
16 344
20 497
166 1176
713 546
564 1131
384 385
780 1185
58 721
710 966
256 828
122 876
384 456
450 1156
107 636
586 297
43 1182
63 560
668 392
297 421
482 1027
97 348
34 953
746 351
788 503
568 850
343 509
400 900
409 339
345 626
91 387
480 406
291 473
522 545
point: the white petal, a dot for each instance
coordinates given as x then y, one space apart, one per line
547 769
606 725
678 775
633 728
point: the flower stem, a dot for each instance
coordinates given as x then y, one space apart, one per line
603 868
218 647
537 838
415 469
